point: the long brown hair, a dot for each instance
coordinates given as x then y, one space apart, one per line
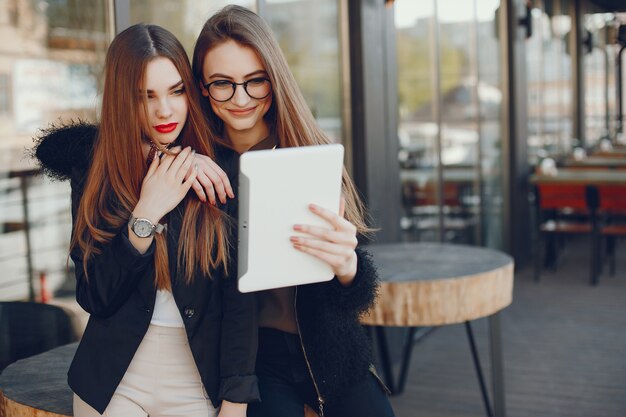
289 117
118 166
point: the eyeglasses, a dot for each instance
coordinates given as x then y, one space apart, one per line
224 90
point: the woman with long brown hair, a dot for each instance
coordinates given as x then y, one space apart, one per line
312 349
166 328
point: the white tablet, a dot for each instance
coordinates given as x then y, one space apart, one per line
275 189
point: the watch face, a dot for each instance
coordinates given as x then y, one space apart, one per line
142 228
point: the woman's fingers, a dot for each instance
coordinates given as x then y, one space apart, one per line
340 258
228 189
186 185
153 167
322 233
182 163
213 185
199 190
166 160
322 245
339 223
207 187
219 183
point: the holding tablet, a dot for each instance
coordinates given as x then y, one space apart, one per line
275 190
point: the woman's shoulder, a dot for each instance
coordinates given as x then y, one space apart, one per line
65 149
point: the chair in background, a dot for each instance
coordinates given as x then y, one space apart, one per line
422 206
28 328
563 210
613 208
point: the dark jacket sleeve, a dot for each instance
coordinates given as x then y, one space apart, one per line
239 339
111 274
238 382
360 296
64 152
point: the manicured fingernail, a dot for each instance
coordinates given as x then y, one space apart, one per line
313 207
297 227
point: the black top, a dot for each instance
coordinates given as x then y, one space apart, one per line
120 294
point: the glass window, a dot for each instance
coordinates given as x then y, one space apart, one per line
51 62
599 85
417 128
549 75
184 18
308 34
441 68
491 158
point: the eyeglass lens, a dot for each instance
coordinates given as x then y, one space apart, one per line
223 90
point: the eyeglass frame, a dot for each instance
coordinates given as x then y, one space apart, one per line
234 85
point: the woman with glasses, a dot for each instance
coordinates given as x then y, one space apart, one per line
312 349
166 327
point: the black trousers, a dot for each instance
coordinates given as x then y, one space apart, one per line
285 384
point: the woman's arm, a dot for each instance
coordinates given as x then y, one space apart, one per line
360 296
112 274
239 341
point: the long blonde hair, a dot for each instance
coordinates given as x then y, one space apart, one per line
118 166
289 117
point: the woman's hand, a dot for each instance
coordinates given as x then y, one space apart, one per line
335 247
229 409
211 182
165 185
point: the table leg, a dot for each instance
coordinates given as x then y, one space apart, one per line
497 368
385 359
479 370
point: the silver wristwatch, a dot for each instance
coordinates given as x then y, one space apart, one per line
142 227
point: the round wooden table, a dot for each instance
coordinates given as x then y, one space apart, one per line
37 386
433 284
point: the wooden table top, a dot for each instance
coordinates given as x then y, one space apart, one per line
37 386
581 177
432 284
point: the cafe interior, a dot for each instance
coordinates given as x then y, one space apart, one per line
486 137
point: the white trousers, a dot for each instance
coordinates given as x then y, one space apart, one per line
161 381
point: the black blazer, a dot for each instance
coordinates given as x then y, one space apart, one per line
220 322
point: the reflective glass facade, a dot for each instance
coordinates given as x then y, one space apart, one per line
51 60
450 121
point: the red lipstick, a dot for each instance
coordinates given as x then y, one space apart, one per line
166 128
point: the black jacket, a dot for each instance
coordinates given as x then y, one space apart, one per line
336 345
220 322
